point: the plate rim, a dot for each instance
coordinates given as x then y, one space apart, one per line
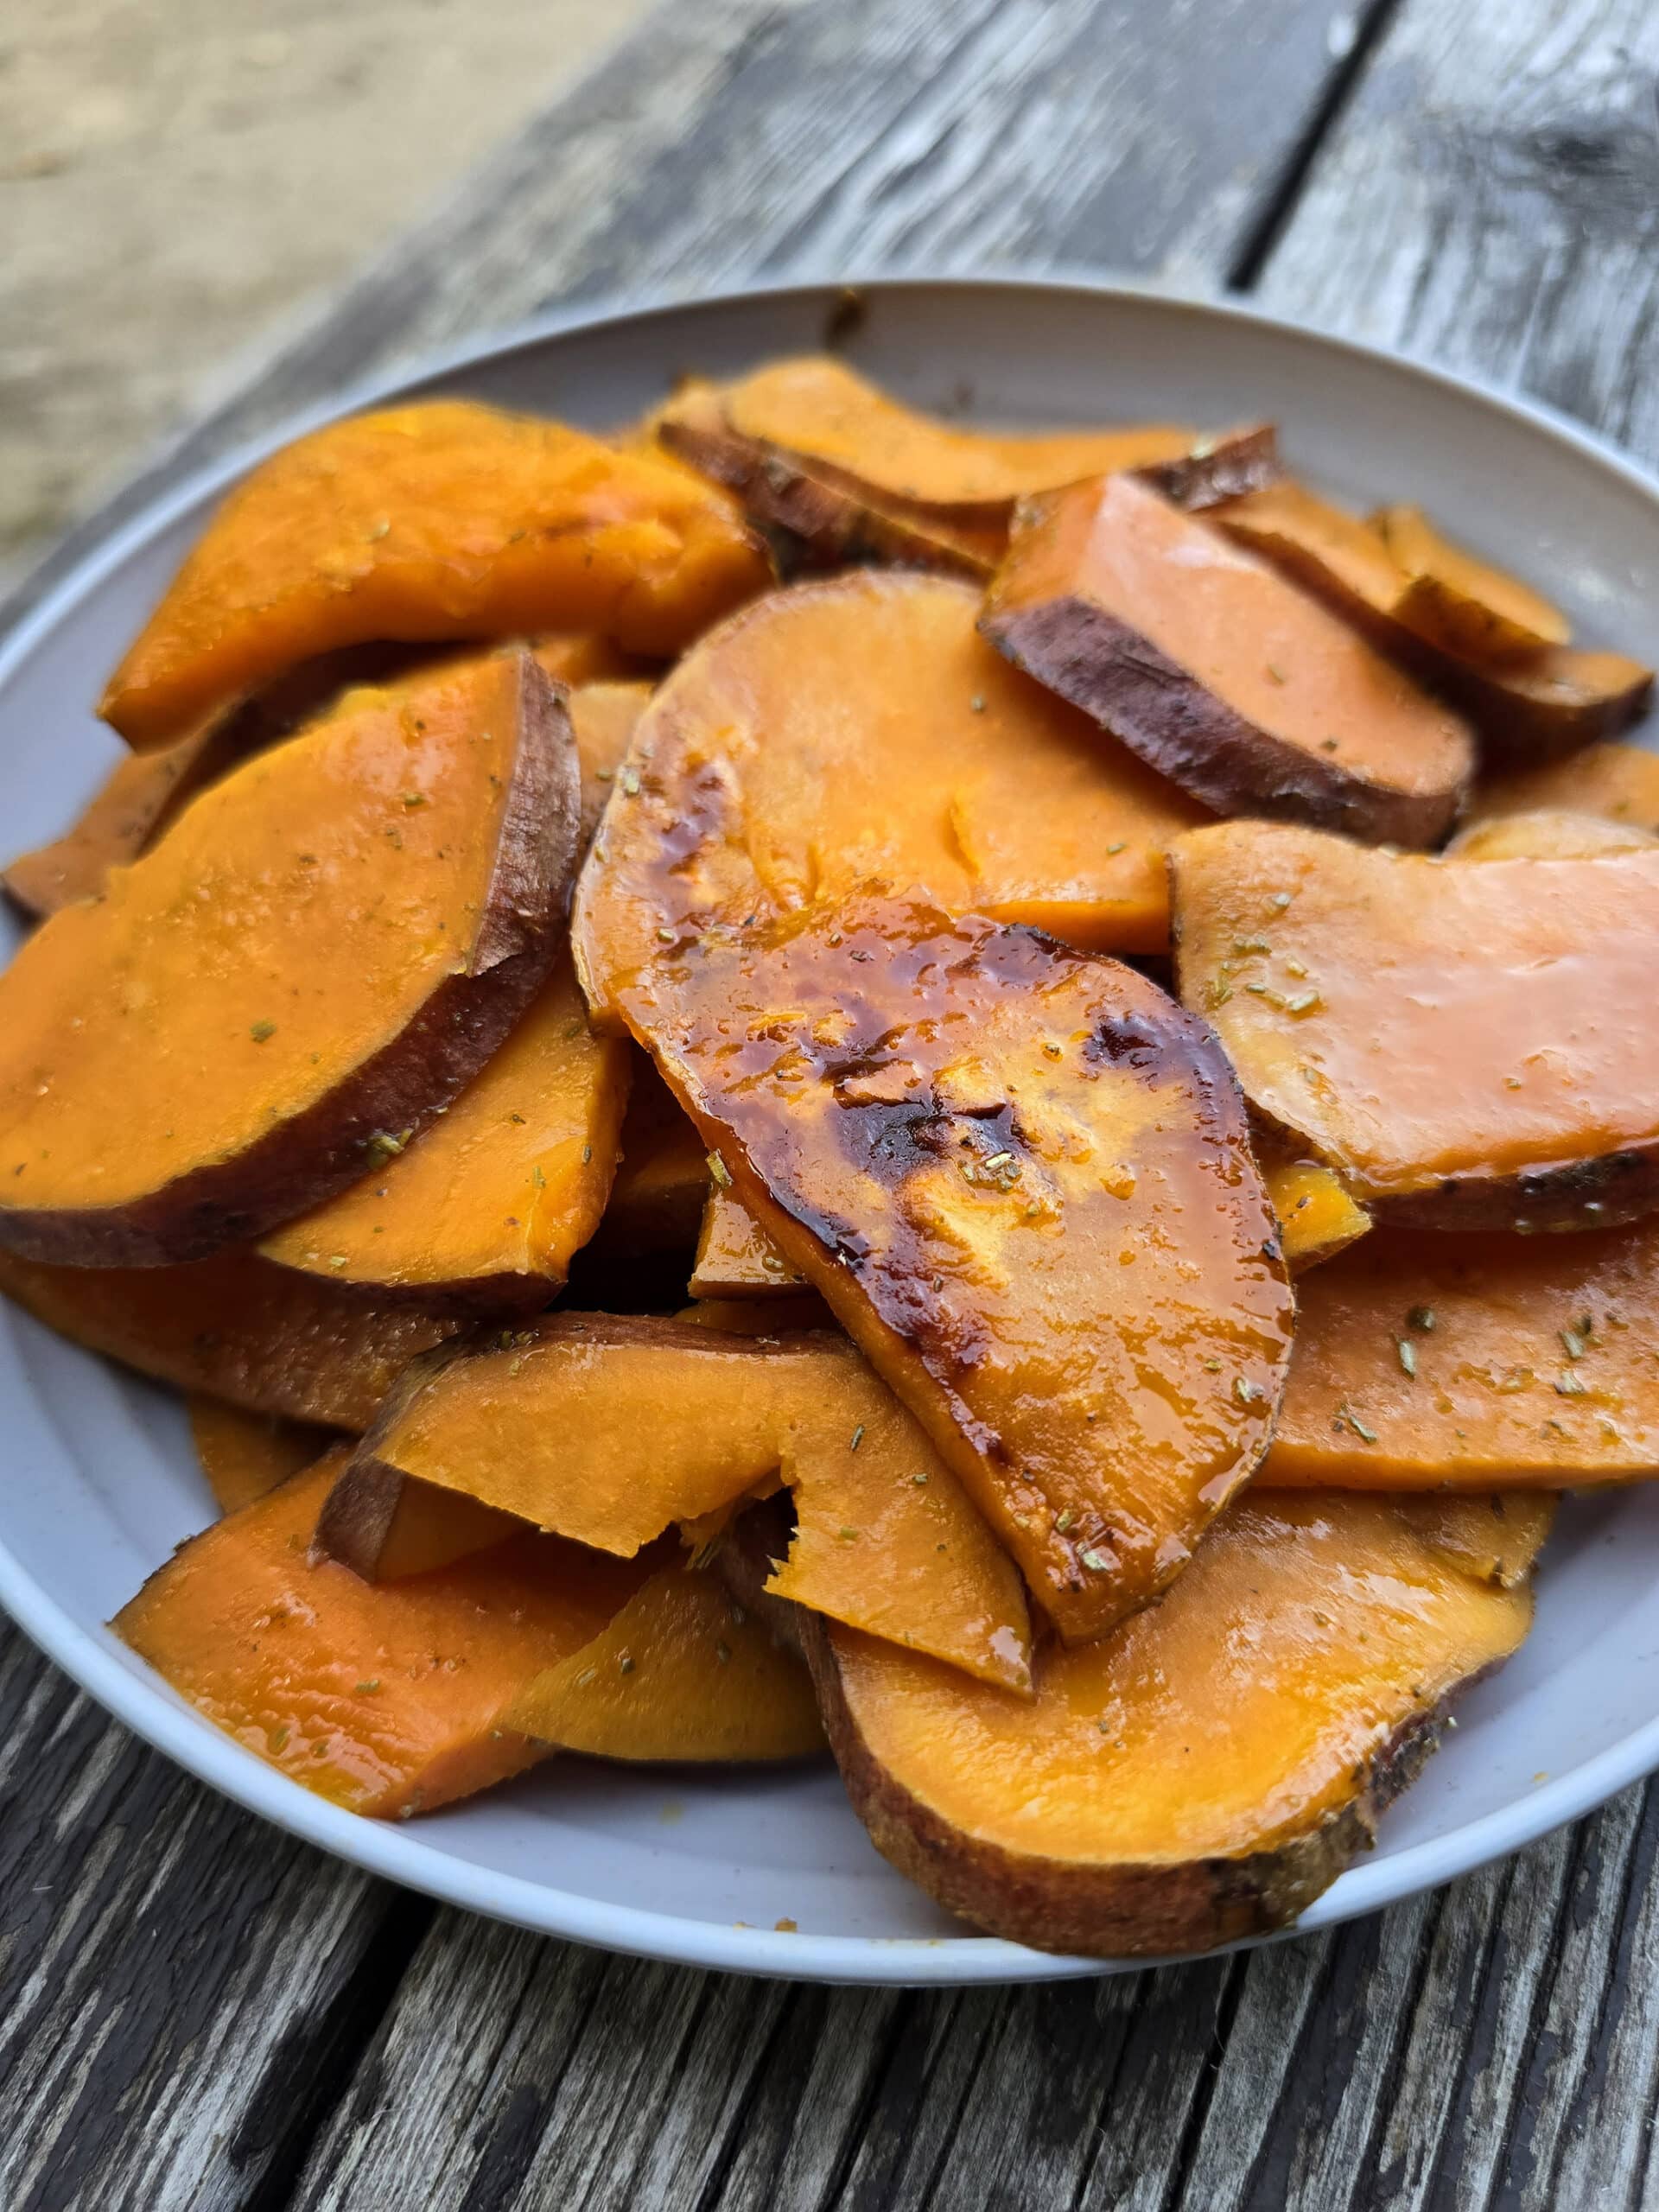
145 1704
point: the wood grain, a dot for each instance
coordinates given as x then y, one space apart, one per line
194 2012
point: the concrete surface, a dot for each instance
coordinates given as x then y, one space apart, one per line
180 177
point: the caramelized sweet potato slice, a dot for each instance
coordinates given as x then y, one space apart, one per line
610 1429
1455 1041
913 754
1020 1176
326 947
1317 1217
243 1455
820 411
683 1673
1620 783
735 1257
1201 1774
813 519
483 1210
1206 661
1460 603
662 1177
1468 1363
1547 837
384 1699
443 520
235 1328
1555 700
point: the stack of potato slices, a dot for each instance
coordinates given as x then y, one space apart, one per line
1113 986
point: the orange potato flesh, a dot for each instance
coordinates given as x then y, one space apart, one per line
243 1455
336 935
487 1205
682 1673
237 1328
1462 603
1201 659
819 407
609 1430
858 729
1618 782
385 1700
442 520
1420 1024
1203 1773
1558 698
662 1178
603 716
585 658
760 1317
1317 1217
1547 837
735 1258
1019 1177
1471 1362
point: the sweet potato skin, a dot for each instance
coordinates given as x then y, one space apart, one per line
1260 1579
234 1328
909 1105
437 522
1049 610
465 1010
1407 1020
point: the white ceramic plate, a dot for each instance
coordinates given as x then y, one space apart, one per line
100 1482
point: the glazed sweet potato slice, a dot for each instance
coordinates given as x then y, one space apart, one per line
1019 1175
1466 1362
483 1210
235 1328
386 1700
443 520
1199 1776
243 1455
913 755
818 409
611 1429
1317 1217
1454 1039
683 1673
1206 663
1554 700
1547 837
1619 783
1461 603
736 1258
316 958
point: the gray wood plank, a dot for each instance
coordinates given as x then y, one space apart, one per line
178 1983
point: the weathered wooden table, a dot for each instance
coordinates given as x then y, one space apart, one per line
196 2011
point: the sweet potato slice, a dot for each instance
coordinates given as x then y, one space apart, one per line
1547 837
735 1258
1555 700
913 754
384 1699
483 1210
820 411
1460 603
1455 1041
1317 1217
442 520
760 1317
243 1455
602 717
610 1429
235 1328
662 1179
1206 661
1020 1178
1470 1362
1201 1774
317 958
1619 783
683 1673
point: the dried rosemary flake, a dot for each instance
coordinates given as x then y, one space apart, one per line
1097 1560
1574 1343
920 1481
723 1653
857 1438
720 1171
1408 1353
1065 1520
1570 1385
259 1030
1304 1002
630 783
625 1662
1245 1391
1421 1317
368 1689
1365 1435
